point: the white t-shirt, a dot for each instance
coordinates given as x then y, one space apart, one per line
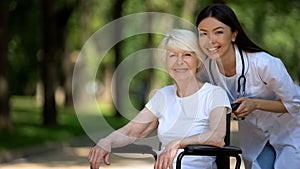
187 116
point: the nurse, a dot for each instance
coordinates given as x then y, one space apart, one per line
269 100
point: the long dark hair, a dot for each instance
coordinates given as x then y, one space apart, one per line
225 14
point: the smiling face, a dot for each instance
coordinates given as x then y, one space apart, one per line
216 39
181 64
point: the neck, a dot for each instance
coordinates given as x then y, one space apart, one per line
188 87
227 64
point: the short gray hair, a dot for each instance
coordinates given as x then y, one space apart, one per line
183 40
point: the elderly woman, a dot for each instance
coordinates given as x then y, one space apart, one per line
187 112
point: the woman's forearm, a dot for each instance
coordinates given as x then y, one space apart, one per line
207 138
215 135
275 106
143 124
116 139
248 105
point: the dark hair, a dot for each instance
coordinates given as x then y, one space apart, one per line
225 14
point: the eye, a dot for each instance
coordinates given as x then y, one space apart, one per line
172 55
187 54
219 32
201 33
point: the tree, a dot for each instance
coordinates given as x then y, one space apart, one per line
5 121
55 19
117 13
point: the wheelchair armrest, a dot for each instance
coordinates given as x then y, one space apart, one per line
212 150
206 150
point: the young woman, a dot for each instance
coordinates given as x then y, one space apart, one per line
269 100
188 112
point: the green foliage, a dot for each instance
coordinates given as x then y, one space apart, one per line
116 122
25 42
139 91
28 129
271 24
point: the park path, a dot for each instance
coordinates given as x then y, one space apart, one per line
75 158
73 155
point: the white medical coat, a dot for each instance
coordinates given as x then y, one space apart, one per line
266 78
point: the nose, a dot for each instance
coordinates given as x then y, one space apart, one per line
212 38
179 60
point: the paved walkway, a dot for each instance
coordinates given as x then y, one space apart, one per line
75 158
73 155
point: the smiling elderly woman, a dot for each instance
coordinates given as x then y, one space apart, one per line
187 112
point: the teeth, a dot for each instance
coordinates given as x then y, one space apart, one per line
211 49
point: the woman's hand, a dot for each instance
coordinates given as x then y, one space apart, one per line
165 159
99 154
249 105
246 107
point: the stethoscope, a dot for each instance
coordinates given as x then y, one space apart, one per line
241 80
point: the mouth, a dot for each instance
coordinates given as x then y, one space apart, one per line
214 49
180 70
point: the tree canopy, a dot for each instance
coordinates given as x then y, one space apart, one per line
44 39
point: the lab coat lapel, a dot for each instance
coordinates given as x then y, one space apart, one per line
239 67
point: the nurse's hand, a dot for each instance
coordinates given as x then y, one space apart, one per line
246 107
99 154
165 159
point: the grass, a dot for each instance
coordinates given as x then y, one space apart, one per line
29 131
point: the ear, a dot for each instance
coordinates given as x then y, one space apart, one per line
234 35
199 66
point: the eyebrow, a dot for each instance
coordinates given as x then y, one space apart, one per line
220 27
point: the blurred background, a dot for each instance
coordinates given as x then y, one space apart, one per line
40 41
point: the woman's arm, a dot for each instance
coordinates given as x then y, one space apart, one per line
274 74
142 125
215 136
249 105
217 130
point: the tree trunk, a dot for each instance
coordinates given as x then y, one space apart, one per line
189 9
117 13
55 32
49 69
67 63
149 83
67 68
5 120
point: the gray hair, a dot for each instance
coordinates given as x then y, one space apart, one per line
183 40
